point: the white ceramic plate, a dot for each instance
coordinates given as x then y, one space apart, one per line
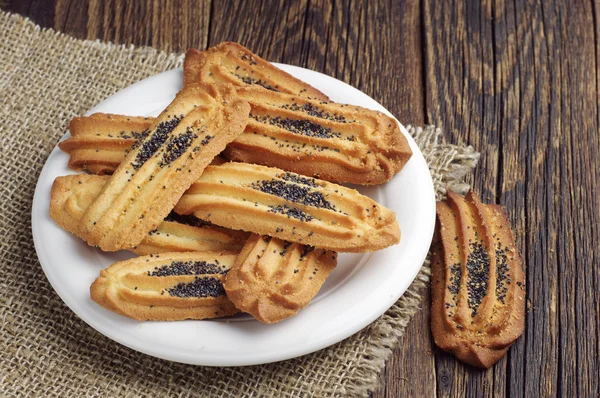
362 287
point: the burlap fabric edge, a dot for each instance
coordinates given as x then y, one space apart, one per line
46 79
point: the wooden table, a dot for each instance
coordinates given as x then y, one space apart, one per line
518 80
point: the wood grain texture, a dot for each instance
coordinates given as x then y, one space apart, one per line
462 88
517 79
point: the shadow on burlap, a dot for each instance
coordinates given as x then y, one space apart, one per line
47 78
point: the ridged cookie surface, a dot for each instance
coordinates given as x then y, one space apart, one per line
232 63
183 140
273 279
100 142
166 287
333 142
270 201
478 291
72 195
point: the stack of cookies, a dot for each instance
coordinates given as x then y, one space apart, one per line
230 197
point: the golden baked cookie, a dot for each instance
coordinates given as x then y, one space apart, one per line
187 233
167 287
72 195
333 142
478 290
183 140
100 142
273 279
234 64
270 201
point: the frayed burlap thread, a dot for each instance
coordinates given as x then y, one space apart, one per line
46 79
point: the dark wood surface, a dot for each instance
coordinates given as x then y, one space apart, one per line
518 80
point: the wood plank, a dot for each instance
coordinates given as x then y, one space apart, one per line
172 25
512 149
39 11
70 17
546 120
333 40
463 85
245 23
595 182
22 7
537 129
393 53
328 39
575 167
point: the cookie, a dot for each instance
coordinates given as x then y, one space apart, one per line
478 290
333 142
71 195
166 287
273 279
234 64
100 142
291 207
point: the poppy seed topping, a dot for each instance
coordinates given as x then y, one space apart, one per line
201 287
303 127
455 276
157 139
293 193
502 274
250 80
291 212
189 219
176 146
298 179
312 110
478 269
188 268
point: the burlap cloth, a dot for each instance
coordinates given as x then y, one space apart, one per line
46 78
